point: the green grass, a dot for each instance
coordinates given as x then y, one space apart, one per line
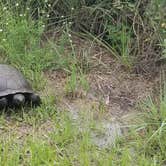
24 140
76 82
46 135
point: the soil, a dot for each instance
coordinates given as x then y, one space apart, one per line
115 92
117 87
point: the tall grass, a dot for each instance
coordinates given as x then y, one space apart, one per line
20 43
127 28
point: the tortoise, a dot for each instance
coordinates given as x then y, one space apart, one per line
15 90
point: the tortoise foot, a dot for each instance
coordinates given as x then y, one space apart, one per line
18 100
35 99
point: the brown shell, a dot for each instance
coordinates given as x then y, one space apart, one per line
12 81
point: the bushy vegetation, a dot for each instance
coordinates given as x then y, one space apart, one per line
127 28
133 31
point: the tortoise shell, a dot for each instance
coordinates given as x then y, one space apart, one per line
12 81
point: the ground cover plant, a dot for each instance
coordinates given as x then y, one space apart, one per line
65 47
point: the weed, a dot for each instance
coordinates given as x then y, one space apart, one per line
22 47
71 85
163 57
119 36
102 107
153 132
76 82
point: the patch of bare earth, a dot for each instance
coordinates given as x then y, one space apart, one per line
111 84
114 93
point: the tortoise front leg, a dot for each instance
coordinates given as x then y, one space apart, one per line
18 100
34 99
